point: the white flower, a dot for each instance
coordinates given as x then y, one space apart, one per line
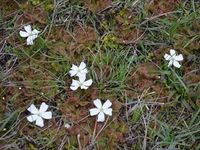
30 34
78 71
39 115
173 58
101 110
67 125
81 83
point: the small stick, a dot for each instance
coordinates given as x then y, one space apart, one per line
102 128
79 143
95 127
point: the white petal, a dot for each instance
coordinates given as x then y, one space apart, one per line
172 52
101 117
94 111
32 109
107 104
176 64
34 36
29 40
43 107
84 71
28 29
75 85
84 87
167 57
23 34
170 63
46 115
72 73
97 103
80 74
35 31
108 111
32 118
88 83
67 125
179 57
40 122
74 88
82 78
74 67
82 66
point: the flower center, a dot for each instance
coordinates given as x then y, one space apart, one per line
81 83
38 113
78 70
31 34
173 57
101 109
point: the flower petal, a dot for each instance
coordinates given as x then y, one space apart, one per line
67 125
170 63
81 73
74 67
84 87
176 64
82 66
34 36
179 57
82 78
40 122
72 73
75 85
32 118
167 57
97 103
73 88
101 117
94 111
32 109
172 52
88 82
43 107
29 40
35 31
46 115
23 34
28 29
107 104
108 111
84 71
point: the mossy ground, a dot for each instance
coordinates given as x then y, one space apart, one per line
123 43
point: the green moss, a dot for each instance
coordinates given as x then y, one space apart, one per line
110 41
47 4
136 115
